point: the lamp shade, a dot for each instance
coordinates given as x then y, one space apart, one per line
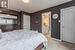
26 1
4 3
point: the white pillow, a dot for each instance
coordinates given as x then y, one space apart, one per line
0 35
13 35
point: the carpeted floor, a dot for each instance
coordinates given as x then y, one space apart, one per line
58 45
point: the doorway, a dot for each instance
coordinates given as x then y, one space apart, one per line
46 23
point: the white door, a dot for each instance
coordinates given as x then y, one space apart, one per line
74 24
26 22
67 24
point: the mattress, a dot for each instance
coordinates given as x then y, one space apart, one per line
21 40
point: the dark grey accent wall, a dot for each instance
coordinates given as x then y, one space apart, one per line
55 25
36 22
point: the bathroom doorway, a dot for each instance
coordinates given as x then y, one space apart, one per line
46 23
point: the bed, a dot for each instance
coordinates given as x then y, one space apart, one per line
22 40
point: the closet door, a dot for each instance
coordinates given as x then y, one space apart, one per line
67 24
74 24
26 22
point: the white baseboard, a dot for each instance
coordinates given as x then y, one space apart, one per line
56 39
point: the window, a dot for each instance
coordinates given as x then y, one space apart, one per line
10 21
2 21
7 21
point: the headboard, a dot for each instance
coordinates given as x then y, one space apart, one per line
6 28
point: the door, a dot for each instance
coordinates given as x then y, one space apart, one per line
67 24
74 24
26 22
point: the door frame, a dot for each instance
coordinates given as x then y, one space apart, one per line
48 13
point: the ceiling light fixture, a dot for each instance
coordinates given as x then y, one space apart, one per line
26 1
0 10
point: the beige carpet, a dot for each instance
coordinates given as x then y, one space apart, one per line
57 45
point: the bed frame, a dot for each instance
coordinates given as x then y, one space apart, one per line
41 46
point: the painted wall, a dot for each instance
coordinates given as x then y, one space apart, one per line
36 22
55 25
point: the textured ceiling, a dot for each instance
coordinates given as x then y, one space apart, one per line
33 5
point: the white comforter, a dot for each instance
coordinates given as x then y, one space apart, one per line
21 40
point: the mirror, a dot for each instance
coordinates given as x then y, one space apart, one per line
7 19
55 16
